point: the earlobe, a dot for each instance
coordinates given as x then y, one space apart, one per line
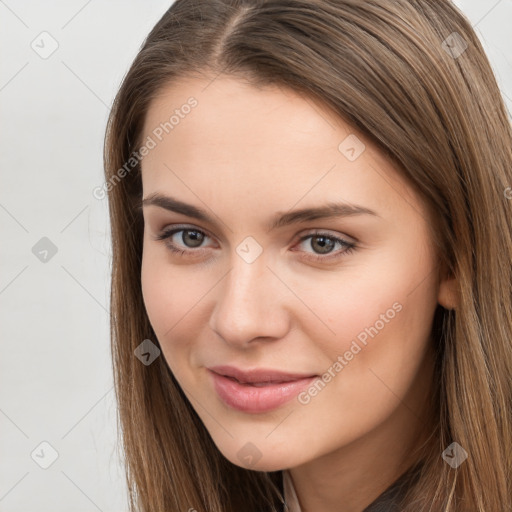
448 295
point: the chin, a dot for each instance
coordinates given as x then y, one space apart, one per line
261 458
263 464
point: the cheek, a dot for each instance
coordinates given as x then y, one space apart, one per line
374 359
173 297
168 294
165 308
154 282
379 315
372 313
381 323
387 304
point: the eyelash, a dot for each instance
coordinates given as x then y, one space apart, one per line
166 234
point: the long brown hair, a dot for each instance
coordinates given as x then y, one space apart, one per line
413 77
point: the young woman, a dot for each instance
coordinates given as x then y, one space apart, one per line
312 241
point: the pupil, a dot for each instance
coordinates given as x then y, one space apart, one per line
326 244
196 238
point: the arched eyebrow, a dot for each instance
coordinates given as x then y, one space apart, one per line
281 219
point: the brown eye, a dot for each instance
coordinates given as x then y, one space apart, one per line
192 237
189 240
323 245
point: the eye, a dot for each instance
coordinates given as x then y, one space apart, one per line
324 243
192 238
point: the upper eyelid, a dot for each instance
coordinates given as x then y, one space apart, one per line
177 228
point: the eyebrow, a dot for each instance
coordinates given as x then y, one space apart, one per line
328 210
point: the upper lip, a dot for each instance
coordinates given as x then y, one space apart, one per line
258 374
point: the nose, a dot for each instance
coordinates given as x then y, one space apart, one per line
252 304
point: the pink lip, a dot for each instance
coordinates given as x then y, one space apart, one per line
258 375
237 388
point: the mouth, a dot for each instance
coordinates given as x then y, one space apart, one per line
257 391
258 384
259 375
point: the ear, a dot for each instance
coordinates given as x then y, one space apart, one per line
448 294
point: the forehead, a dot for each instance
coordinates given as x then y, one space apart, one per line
237 121
262 144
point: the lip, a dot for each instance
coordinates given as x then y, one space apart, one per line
258 375
258 390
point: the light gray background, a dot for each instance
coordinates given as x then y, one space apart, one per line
55 368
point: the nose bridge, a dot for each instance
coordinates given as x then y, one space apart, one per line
247 303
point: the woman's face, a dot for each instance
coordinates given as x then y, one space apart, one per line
348 298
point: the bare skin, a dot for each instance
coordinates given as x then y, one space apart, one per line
244 155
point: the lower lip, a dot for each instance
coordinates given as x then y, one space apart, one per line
255 399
